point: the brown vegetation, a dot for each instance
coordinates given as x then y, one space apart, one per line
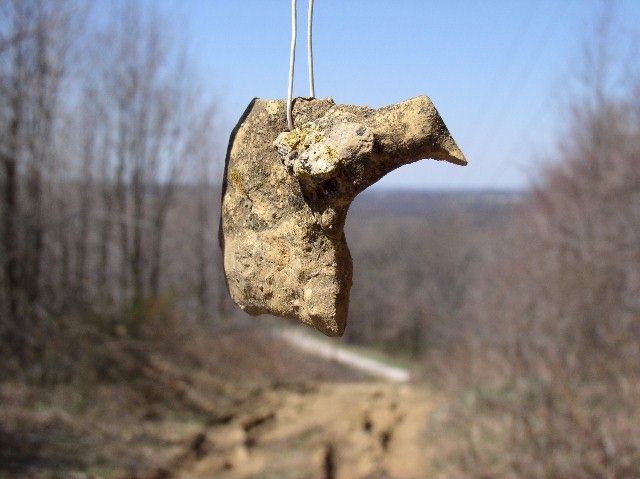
547 380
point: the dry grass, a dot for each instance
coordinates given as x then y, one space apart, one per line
503 421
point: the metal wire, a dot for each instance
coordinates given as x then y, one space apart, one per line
312 88
292 62
292 57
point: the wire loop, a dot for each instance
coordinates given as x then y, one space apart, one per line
292 57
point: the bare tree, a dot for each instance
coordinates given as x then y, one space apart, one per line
36 64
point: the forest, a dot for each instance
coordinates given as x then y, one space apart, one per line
519 309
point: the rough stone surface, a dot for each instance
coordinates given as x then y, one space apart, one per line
286 194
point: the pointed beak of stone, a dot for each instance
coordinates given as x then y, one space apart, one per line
453 154
413 130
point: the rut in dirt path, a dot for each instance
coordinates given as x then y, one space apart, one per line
326 431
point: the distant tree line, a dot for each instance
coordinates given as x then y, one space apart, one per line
411 274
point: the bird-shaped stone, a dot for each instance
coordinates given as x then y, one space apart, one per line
286 194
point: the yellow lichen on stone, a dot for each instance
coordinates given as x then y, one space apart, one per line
330 154
235 177
302 138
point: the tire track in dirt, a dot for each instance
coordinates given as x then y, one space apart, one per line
330 431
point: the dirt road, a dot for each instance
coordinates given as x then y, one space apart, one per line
325 431
335 352
355 430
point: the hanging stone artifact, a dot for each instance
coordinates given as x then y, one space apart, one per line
286 194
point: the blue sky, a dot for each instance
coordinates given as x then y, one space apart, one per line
498 71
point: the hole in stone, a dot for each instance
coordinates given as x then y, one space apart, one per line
330 186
